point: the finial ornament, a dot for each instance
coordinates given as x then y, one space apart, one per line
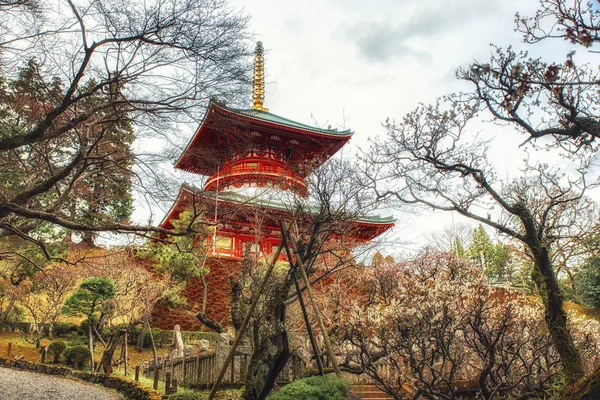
258 83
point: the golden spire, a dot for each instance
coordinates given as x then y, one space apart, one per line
258 83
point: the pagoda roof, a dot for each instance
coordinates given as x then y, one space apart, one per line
187 193
270 117
227 132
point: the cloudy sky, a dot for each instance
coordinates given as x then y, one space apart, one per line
369 60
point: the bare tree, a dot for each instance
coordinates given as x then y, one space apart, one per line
81 79
453 238
576 20
429 160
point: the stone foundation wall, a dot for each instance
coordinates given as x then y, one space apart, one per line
218 299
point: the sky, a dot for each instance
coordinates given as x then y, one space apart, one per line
355 63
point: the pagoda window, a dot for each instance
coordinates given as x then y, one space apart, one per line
254 248
224 242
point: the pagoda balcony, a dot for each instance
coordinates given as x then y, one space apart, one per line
259 172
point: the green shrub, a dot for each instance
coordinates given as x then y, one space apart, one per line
70 353
313 388
64 329
55 349
77 340
184 394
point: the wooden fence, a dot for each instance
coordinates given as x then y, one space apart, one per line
201 371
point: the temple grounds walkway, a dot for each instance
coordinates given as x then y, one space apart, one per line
24 385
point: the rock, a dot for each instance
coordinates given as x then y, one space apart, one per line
179 347
203 345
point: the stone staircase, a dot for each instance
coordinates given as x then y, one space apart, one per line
370 392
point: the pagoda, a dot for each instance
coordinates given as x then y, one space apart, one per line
247 154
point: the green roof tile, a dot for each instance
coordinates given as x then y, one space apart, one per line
260 202
269 117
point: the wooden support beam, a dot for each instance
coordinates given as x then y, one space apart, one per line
313 342
311 296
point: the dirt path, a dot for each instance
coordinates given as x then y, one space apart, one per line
24 385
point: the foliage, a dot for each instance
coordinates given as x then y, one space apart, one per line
77 340
185 394
313 388
71 353
66 162
446 166
588 282
184 257
90 297
493 259
65 329
55 349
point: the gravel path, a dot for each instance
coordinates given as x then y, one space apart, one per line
24 385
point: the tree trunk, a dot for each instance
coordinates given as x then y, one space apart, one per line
267 361
91 344
140 339
271 350
555 316
154 354
587 388
109 352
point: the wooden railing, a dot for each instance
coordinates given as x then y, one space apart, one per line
202 370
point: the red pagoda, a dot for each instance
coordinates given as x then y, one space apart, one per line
245 153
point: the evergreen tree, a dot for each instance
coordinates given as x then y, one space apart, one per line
96 193
588 283
91 300
493 259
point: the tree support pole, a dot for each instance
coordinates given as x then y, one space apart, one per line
300 264
311 336
246 320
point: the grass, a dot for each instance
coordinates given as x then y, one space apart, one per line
587 312
22 348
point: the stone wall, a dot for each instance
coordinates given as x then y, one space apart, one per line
218 299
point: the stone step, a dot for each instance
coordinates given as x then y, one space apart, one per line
370 392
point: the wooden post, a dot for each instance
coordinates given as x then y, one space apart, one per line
311 337
137 373
184 369
174 388
8 350
43 354
198 368
300 264
125 356
76 362
168 383
156 372
232 369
